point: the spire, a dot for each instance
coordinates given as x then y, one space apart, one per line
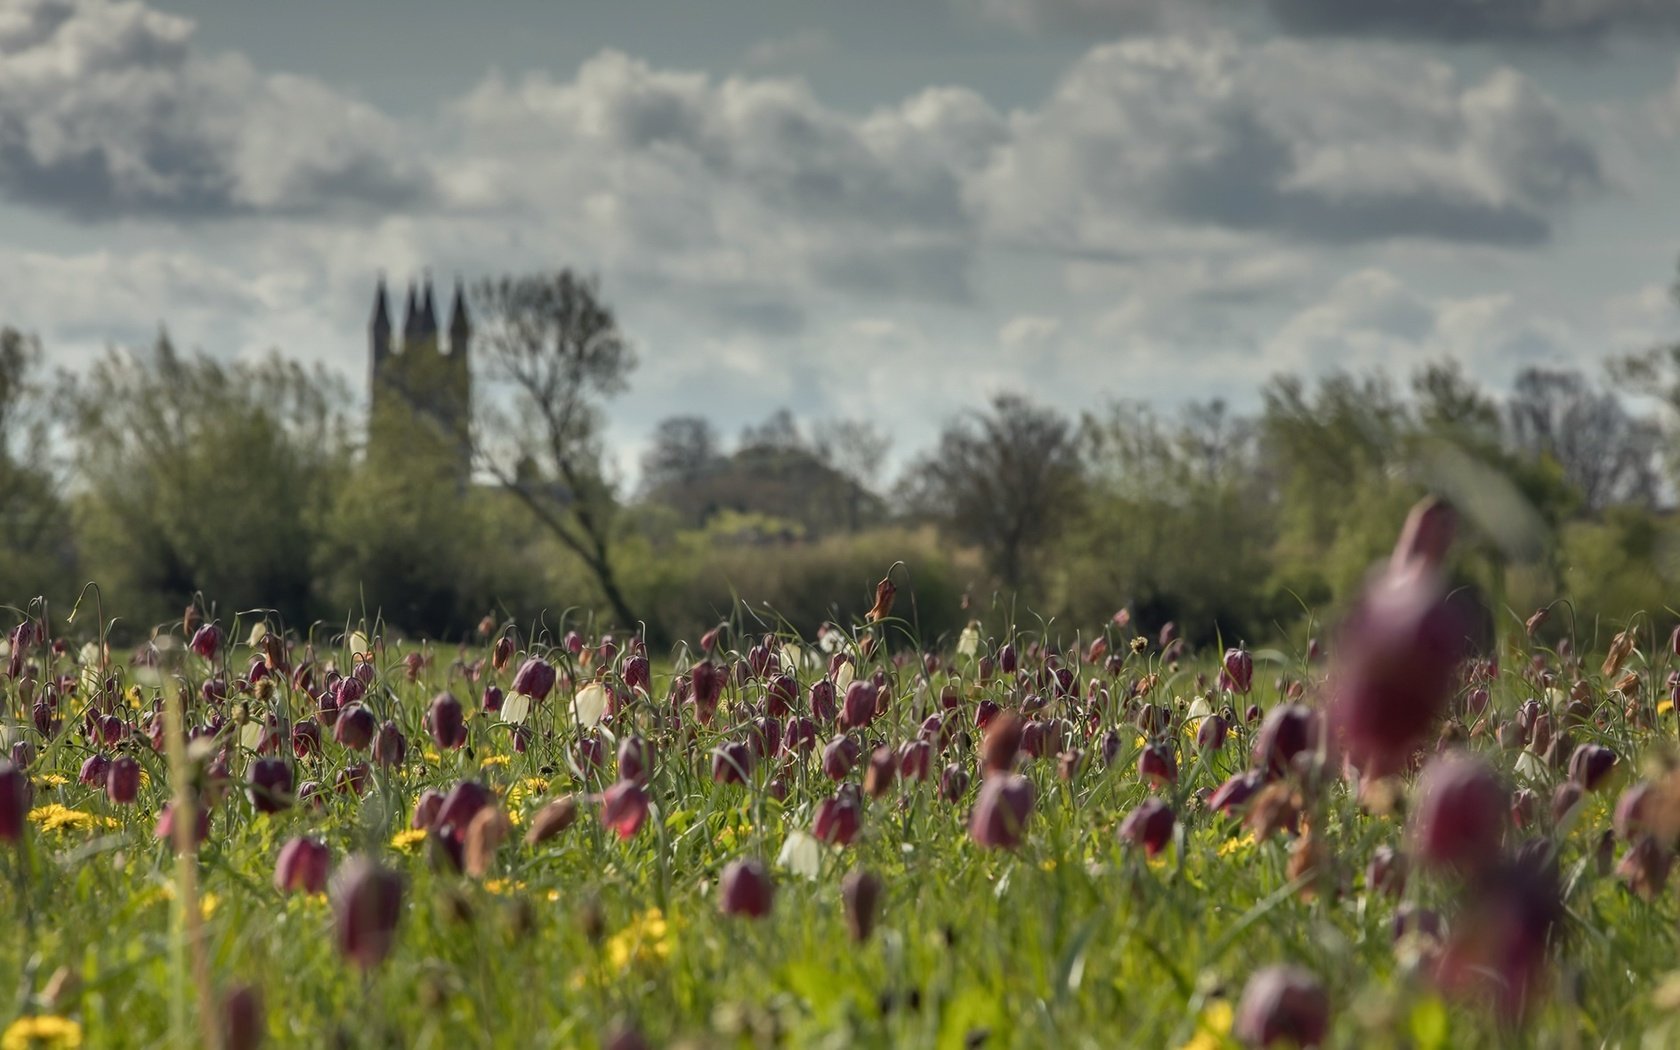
411 317
381 310
460 329
428 312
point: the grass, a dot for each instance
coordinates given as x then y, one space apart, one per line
1073 940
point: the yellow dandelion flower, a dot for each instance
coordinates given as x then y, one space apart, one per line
495 760
1048 864
554 896
41 1032
1665 707
408 840
1236 844
644 940
503 887
56 817
431 757
1213 1027
524 790
52 780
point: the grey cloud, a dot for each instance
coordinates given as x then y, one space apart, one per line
1446 21
1341 145
106 110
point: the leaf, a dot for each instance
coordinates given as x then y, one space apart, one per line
516 708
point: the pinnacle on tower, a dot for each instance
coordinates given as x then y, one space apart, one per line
381 310
460 329
411 319
428 312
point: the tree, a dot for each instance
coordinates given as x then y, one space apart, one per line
685 450
553 342
1006 480
856 448
198 476
35 552
1604 452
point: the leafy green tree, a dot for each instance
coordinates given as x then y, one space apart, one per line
1007 480
198 476
36 555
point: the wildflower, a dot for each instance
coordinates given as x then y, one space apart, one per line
885 591
122 780
306 737
41 1032
408 840
1497 949
624 807
635 759
1150 825
355 726
15 795
840 756
459 807
1282 1004
860 891
56 817
302 865
1234 794
446 722
1213 1026
1399 649
745 889
270 789
551 820
878 775
390 747
837 819
999 819
1157 766
1239 670
1287 731
731 763
644 940
1461 812
857 710
535 678
1002 741
1590 764
367 904
94 770
1210 735
243 1022
953 782
207 641
485 835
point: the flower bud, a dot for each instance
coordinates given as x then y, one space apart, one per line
355 726
1150 825
1282 1005
1460 814
302 866
270 788
999 820
860 890
446 722
367 904
535 678
551 820
1239 670
122 780
745 889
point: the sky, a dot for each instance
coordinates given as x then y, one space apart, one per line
883 209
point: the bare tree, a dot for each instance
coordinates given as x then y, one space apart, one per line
685 449
857 449
1606 453
1004 479
556 344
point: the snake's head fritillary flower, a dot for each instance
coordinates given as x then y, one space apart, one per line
745 889
16 794
841 756
1150 825
302 866
446 722
355 726
1459 819
1282 1006
390 747
1239 670
1590 764
860 891
207 641
1289 730
122 780
624 807
243 1021
535 678
999 820
857 710
367 905
270 787
837 819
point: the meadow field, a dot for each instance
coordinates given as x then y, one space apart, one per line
1045 835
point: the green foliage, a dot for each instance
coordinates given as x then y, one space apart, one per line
198 477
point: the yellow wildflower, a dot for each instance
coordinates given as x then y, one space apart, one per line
645 939
1213 1027
524 790
1236 844
495 760
503 886
42 1032
52 780
55 817
1665 707
408 840
431 757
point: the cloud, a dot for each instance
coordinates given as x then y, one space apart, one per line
106 109
730 178
793 50
1371 320
1444 21
1334 145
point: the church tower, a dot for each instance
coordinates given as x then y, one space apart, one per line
421 387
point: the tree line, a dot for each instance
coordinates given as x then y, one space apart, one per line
168 477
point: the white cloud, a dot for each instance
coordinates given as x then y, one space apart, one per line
793 50
106 109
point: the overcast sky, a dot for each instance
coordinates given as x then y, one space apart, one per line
881 208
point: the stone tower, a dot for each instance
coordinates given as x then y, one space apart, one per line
421 386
